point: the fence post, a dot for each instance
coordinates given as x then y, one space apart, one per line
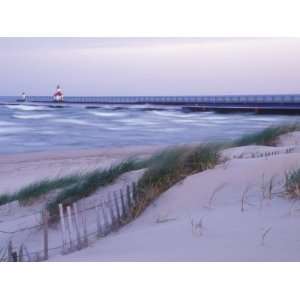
134 193
21 253
129 201
9 251
85 234
27 253
70 227
76 221
111 211
105 218
63 227
117 209
45 231
128 195
124 209
99 231
37 256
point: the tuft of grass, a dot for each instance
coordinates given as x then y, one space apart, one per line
171 166
292 183
29 193
266 137
6 198
215 191
89 183
74 186
264 235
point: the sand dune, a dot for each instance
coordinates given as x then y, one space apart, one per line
221 231
217 215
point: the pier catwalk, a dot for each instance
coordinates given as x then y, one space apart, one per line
261 104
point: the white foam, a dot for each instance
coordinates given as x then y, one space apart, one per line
118 128
5 123
137 122
174 114
191 121
106 114
12 129
40 116
264 119
25 107
177 129
74 121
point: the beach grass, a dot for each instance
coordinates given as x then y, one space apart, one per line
170 167
266 137
81 184
27 194
292 183
163 170
90 182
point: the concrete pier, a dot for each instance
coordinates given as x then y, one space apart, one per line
263 104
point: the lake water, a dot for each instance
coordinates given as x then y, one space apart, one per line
26 128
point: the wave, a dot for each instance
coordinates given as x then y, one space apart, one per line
218 118
49 132
264 119
74 121
107 114
118 128
12 129
26 107
41 116
5 123
138 122
174 114
156 129
188 121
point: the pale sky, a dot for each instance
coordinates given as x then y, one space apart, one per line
124 66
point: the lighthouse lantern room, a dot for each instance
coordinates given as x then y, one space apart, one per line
58 95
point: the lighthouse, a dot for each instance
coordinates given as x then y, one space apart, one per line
58 95
23 97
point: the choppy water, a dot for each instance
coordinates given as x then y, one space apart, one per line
26 128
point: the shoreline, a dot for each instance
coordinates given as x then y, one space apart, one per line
20 169
69 153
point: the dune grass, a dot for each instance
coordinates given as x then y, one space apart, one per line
266 137
171 166
29 193
292 183
75 186
163 170
90 182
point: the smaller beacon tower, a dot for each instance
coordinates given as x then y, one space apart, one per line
23 96
58 95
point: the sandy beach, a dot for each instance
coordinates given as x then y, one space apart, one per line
216 215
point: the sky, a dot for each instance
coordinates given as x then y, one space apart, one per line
143 66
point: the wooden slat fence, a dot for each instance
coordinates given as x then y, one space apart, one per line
77 230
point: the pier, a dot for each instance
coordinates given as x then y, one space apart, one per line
264 104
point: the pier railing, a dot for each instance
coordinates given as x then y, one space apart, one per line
178 100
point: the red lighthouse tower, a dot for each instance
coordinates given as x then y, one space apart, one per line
58 95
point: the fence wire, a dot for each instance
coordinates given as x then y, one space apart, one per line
115 211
